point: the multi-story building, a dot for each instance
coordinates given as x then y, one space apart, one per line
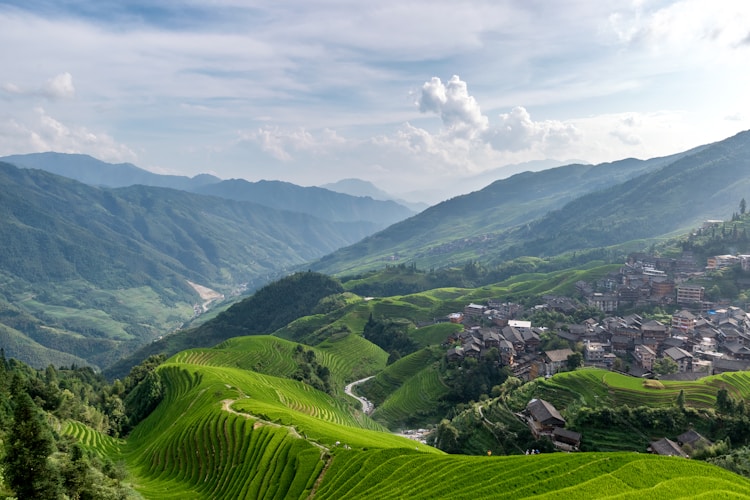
690 294
683 321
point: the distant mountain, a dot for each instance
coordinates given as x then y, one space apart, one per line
319 202
88 170
358 187
103 270
708 184
475 225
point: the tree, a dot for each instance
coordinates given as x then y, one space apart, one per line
681 399
743 206
28 446
575 360
664 366
446 438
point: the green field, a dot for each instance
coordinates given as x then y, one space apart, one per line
229 432
595 387
393 474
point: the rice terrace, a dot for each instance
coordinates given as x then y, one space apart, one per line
227 432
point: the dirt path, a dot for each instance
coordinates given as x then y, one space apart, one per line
325 452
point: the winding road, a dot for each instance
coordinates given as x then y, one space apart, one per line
367 406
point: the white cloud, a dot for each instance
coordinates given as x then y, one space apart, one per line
458 110
462 119
517 131
280 143
39 132
57 87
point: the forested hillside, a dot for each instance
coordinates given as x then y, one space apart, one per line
267 310
92 273
473 226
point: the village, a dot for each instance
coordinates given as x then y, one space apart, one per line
700 338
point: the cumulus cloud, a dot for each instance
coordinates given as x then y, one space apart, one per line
458 110
41 132
517 131
462 118
56 88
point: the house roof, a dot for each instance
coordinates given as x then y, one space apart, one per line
684 314
558 355
693 439
731 365
653 325
645 349
544 412
567 434
676 353
667 447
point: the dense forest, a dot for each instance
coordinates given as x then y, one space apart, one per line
38 460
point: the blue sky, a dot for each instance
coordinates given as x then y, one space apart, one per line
411 95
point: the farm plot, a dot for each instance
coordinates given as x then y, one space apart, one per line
387 475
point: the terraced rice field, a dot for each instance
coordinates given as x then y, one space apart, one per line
226 432
415 397
103 445
596 387
394 474
351 356
232 433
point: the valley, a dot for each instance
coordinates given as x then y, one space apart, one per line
600 293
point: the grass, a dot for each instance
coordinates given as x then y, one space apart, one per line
228 432
596 387
387 474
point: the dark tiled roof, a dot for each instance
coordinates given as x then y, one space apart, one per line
544 412
667 447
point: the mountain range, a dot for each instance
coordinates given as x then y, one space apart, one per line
92 272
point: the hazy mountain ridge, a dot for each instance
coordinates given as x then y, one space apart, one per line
319 202
456 229
89 170
358 187
316 201
98 265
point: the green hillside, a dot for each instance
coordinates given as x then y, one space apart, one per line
471 226
267 310
571 208
102 271
223 432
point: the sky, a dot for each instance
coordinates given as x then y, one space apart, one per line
414 96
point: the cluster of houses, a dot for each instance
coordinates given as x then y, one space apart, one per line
700 338
699 343
645 280
544 420
685 446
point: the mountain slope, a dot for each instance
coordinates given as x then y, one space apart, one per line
708 184
106 270
439 235
319 202
89 170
